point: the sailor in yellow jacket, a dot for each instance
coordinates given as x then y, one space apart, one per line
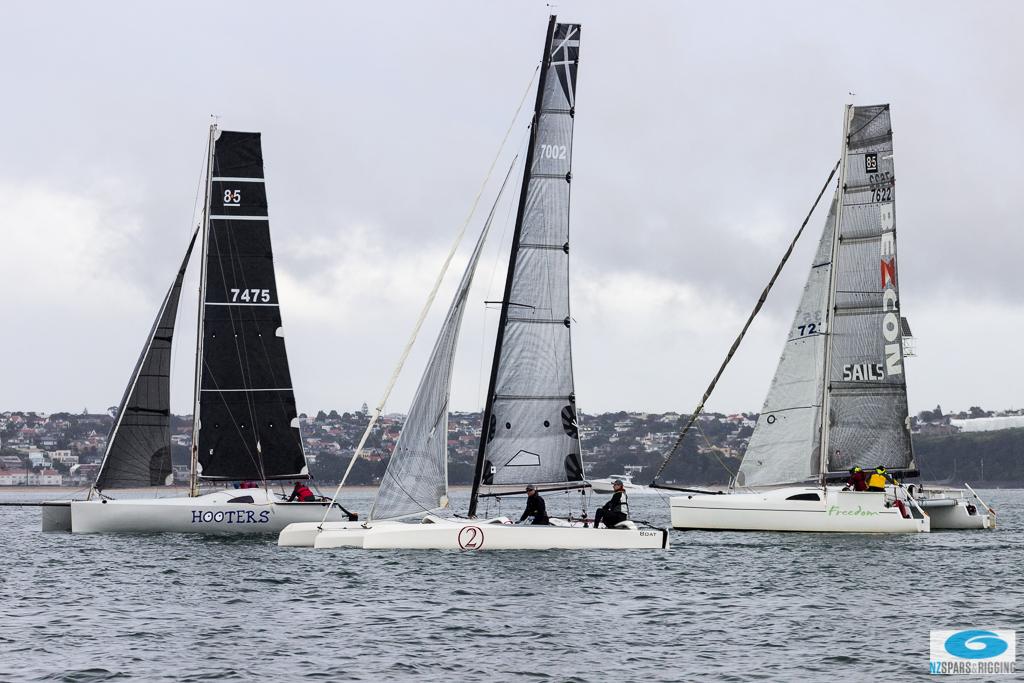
879 478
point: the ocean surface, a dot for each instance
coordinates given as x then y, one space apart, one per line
717 606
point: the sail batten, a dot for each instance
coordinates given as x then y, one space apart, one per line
247 425
868 420
849 379
139 445
529 432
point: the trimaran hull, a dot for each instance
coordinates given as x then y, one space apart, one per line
795 509
438 533
240 511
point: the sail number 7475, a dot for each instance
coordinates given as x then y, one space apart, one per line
250 295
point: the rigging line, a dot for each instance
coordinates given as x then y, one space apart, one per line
490 288
746 326
433 292
243 363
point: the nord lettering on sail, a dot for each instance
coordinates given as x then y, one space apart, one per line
891 319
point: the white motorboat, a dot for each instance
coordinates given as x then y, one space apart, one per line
605 486
798 508
530 431
839 395
245 425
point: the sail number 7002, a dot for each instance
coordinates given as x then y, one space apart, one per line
552 151
250 295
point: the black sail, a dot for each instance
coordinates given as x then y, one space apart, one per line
530 432
248 427
139 445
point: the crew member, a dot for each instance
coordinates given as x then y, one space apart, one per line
878 479
858 481
301 493
534 506
615 510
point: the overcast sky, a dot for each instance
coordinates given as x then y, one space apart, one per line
703 132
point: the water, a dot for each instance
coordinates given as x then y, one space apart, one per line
723 606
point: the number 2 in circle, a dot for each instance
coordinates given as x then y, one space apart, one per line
471 538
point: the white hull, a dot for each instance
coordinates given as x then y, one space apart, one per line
213 513
438 533
776 510
947 509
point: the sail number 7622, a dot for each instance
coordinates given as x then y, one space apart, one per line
250 295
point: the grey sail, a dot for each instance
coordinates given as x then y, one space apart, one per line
416 479
868 421
139 445
784 447
529 432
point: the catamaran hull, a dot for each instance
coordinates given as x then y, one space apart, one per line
469 536
948 509
209 514
309 534
956 517
776 510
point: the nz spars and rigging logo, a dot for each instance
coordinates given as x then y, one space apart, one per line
973 651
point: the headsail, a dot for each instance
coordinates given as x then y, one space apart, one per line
529 432
247 417
416 479
868 419
139 445
787 436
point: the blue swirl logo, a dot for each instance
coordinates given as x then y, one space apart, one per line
975 645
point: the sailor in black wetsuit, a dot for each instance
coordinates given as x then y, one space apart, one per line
534 507
615 510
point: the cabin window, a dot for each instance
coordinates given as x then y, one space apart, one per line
805 496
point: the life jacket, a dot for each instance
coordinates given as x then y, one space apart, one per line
877 481
304 494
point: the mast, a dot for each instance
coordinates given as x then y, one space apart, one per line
193 489
503 318
830 305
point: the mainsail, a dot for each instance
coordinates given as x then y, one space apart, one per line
247 426
868 420
416 479
139 445
529 433
787 436
844 350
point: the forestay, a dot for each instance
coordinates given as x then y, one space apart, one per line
139 445
784 446
248 427
868 418
530 432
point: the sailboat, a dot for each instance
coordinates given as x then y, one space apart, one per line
529 432
245 425
839 395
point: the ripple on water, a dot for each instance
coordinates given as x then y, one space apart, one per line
728 606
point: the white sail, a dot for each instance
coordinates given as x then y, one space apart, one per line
784 447
416 479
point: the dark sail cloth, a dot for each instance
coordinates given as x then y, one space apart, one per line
611 512
535 508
